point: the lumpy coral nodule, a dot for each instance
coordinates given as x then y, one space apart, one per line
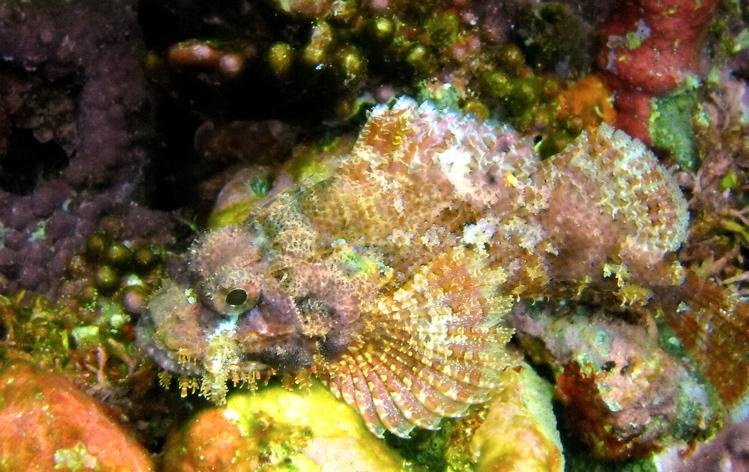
78 432
390 277
278 430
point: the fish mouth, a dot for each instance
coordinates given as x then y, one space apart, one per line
217 341
159 354
171 362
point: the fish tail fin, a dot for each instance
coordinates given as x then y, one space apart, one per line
713 326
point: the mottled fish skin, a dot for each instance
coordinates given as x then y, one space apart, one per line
390 280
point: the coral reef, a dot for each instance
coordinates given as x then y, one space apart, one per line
276 429
715 249
622 393
87 333
649 48
231 195
398 304
74 107
46 423
331 61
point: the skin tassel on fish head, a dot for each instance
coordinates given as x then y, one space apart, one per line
390 279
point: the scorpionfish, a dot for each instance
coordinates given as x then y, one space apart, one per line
389 279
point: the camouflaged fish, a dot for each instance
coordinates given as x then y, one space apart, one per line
389 279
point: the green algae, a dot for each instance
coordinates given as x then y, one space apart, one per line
75 459
671 124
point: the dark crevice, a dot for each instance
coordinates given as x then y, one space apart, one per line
28 162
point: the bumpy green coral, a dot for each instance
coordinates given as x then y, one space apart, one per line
671 124
338 55
87 333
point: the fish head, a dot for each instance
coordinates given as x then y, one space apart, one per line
242 305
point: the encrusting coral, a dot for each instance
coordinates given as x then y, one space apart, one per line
278 430
388 276
48 424
650 48
624 394
73 131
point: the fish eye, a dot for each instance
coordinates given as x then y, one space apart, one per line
236 297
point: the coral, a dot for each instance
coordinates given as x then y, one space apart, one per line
583 104
87 334
331 59
555 38
670 124
622 393
649 48
278 430
587 101
70 431
74 99
727 451
90 345
227 59
519 431
397 304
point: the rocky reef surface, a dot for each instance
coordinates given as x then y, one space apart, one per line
374 235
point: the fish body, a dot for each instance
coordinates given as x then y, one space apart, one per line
390 279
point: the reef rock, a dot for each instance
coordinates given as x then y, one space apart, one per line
519 431
650 46
74 106
277 429
46 423
622 393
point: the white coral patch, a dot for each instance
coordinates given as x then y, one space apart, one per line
480 232
455 163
